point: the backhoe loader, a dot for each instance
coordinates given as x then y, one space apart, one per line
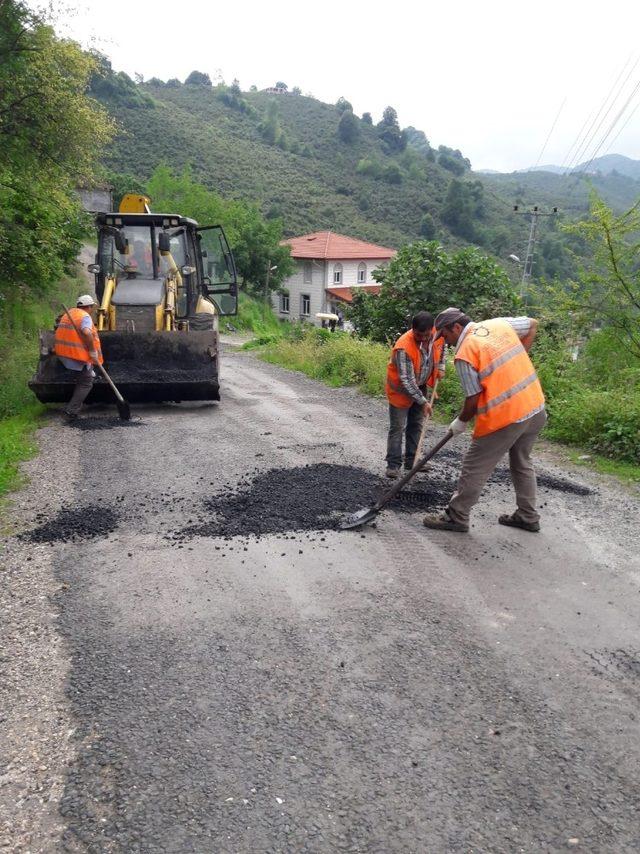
161 282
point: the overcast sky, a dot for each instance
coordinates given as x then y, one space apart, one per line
488 77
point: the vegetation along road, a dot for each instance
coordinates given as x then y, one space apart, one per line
196 660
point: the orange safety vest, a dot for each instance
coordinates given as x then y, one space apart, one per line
511 389
396 395
437 347
67 341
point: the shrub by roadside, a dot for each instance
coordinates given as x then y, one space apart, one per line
20 320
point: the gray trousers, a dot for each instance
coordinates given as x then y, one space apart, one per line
407 422
84 382
483 456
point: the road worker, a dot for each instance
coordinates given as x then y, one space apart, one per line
417 358
503 393
78 353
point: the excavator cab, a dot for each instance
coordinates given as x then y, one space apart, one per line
162 283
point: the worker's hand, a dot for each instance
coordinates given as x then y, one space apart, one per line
427 410
93 355
440 374
457 427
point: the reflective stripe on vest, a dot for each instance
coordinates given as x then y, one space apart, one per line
67 341
511 390
396 394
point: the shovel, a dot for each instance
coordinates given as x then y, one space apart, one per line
363 517
124 410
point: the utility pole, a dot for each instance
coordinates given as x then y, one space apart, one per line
535 213
270 270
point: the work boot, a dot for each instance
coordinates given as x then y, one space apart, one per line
443 522
392 473
514 521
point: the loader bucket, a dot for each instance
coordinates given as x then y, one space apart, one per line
145 367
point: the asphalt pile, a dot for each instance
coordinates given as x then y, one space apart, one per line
73 524
502 475
305 498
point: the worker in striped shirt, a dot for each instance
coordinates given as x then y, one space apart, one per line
504 396
416 360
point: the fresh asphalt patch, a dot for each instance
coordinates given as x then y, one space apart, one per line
104 423
315 497
310 498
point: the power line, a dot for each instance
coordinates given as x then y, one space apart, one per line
612 125
579 143
591 133
550 132
629 117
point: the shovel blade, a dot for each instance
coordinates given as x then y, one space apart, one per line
356 520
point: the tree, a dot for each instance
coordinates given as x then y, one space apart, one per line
235 86
608 289
51 136
342 105
348 127
389 131
423 275
366 119
427 227
453 160
281 85
254 240
463 204
198 78
296 90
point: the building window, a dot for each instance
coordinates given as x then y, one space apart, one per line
307 272
305 305
337 274
362 273
284 302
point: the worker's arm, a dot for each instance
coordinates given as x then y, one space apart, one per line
408 379
87 339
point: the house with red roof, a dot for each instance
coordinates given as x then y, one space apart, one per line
330 267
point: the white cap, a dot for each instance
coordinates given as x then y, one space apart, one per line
85 300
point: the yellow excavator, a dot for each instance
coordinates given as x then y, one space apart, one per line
161 282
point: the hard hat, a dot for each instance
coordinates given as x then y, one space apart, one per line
85 300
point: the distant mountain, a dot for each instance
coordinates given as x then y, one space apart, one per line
604 165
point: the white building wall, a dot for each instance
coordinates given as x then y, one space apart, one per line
296 286
321 280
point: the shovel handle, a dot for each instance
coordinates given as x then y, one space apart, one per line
395 489
425 422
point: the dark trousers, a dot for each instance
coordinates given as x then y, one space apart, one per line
84 382
407 422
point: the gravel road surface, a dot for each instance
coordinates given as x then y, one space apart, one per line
185 673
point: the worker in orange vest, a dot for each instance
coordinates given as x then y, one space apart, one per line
78 353
504 395
416 359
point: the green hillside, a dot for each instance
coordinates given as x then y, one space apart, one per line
317 166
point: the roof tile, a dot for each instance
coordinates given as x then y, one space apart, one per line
331 246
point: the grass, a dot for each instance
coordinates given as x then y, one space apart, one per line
257 317
20 413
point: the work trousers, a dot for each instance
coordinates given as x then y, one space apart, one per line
483 456
84 382
407 422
